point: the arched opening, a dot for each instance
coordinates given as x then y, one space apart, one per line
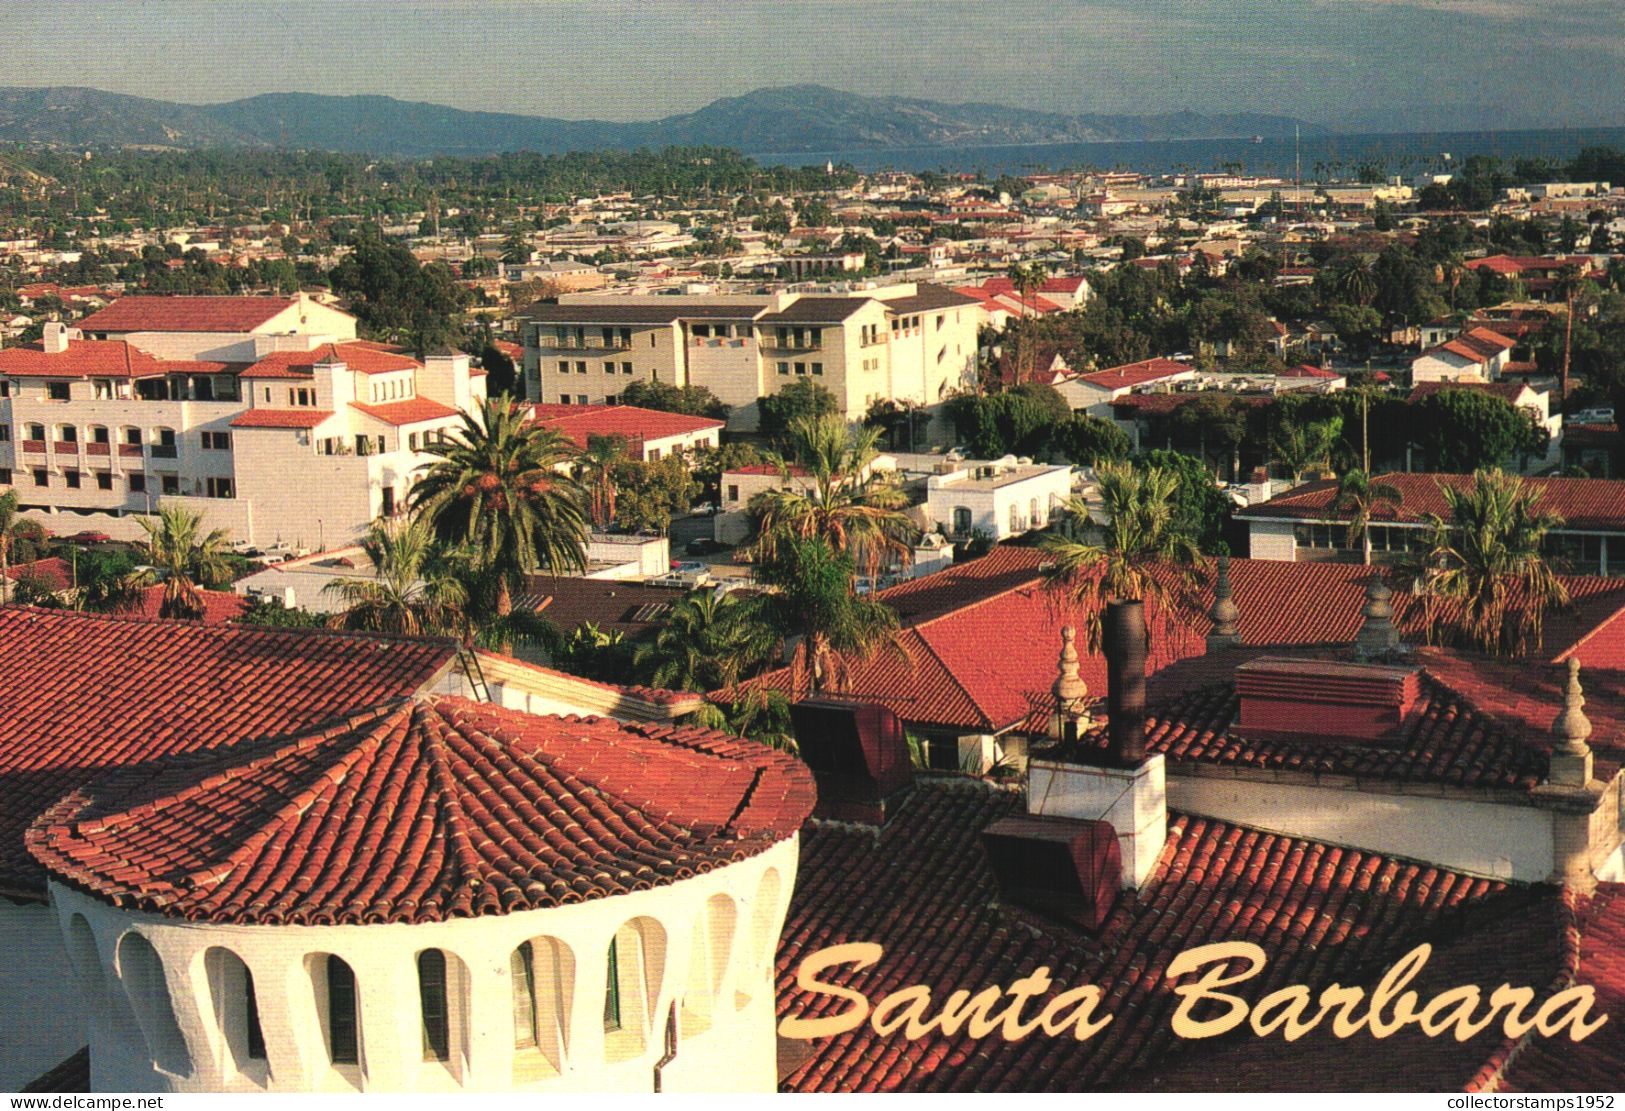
635 966
87 960
338 1009
443 1007
237 1012
764 930
709 955
147 988
543 973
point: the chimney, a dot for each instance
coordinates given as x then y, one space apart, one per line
858 756
1332 699
55 337
1225 616
1377 636
1125 644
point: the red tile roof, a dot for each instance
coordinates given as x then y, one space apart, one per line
631 422
87 358
53 571
186 314
363 358
1136 374
922 889
1583 503
219 606
280 418
423 811
412 411
1308 370
85 693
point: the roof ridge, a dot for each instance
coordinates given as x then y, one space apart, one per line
322 632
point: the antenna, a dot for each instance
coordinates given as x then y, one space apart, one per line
1297 168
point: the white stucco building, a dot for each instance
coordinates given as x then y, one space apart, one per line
1004 497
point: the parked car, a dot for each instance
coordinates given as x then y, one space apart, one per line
89 536
687 566
704 545
704 509
1592 416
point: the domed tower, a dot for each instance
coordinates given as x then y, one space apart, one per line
433 895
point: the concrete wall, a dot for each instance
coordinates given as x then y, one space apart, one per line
1271 540
704 946
43 1019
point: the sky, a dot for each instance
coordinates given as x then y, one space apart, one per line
1432 64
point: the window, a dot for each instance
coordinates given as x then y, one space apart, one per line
5 476
104 480
42 477
5 387
72 478
67 434
1015 517
581 399
138 483
702 331
34 432
56 391
217 441
170 484
1032 513
612 988
564 399
626 337
251 1004
962 520
784 368
102 389
432 997
654 455
609 367
608 335
236 1008
801 368
564 366
387 501
147 988
412 441
219 488
343 1041
5 433
99 434
132 436
818 369
733 491
581 366
626 368
543 974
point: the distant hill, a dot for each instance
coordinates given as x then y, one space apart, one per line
780 120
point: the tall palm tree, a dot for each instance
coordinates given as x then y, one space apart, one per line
595 470
707 643
8 522
1361 496
413 591
1486 559
1028 278
1303 445
835 498
1356 278
1570 285
1138 548
185 559
502 490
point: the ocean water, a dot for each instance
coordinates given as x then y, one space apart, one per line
1336 156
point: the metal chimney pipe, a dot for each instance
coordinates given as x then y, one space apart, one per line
1125 643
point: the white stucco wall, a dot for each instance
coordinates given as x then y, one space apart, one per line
1271 540
41 1024
726 1037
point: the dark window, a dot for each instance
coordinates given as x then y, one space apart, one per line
523 967
388 507
56 391
42 477
138 484
5 476
170 484
251 1006
104 480
612 990
220 488
432 993
342 1042
132 436
733 491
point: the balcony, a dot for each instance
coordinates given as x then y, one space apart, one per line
65 447
163 451
129 451
99 449
35 446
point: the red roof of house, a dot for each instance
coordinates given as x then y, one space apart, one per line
510 349
1595 504
1136 374
631 422
423 811
921 887
219 606
363 358
1308 370
414 410
280 418
86 358
90 692
53 571
186 314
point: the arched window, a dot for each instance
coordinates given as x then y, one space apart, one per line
764 926
1015 517
147 987
337 1007
236 1007
87 959
543 975
1032 511
634 965
709 956
432 998
962 520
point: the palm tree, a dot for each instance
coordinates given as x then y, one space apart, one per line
595 470
1027 278
1356 278
1138 547
706 644
1303 445
413 591
501 489
1486 559
185 559
835 498
1361 496
8 522
1570 285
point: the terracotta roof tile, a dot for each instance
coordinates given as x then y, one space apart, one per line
414 410
363 358
1583 503
631 422
186 314
421 811
280 418
87 358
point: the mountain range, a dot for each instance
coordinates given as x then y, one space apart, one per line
789 119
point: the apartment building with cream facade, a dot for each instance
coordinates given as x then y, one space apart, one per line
264 414
908 342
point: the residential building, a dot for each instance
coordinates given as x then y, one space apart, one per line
650 434
1302 525
1095 391
1477 355
237 408
1002 498
907 342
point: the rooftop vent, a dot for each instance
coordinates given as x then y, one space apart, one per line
1061 866
1345 701
858 755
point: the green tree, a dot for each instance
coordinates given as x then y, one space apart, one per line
653 492
499 488
413 590
801 398
1302 445
8 527
703 646
1091 441
1137 547
1200 509
501 376
394 296
185 559
1362 497
1464 430
595 469
1485 567
693 401
837 499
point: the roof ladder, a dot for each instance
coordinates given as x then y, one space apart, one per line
474 674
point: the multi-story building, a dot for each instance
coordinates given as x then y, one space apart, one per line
264 414
907 342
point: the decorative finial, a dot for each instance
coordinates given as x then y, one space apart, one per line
1070 690
1225 615
1572 728
1377 634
